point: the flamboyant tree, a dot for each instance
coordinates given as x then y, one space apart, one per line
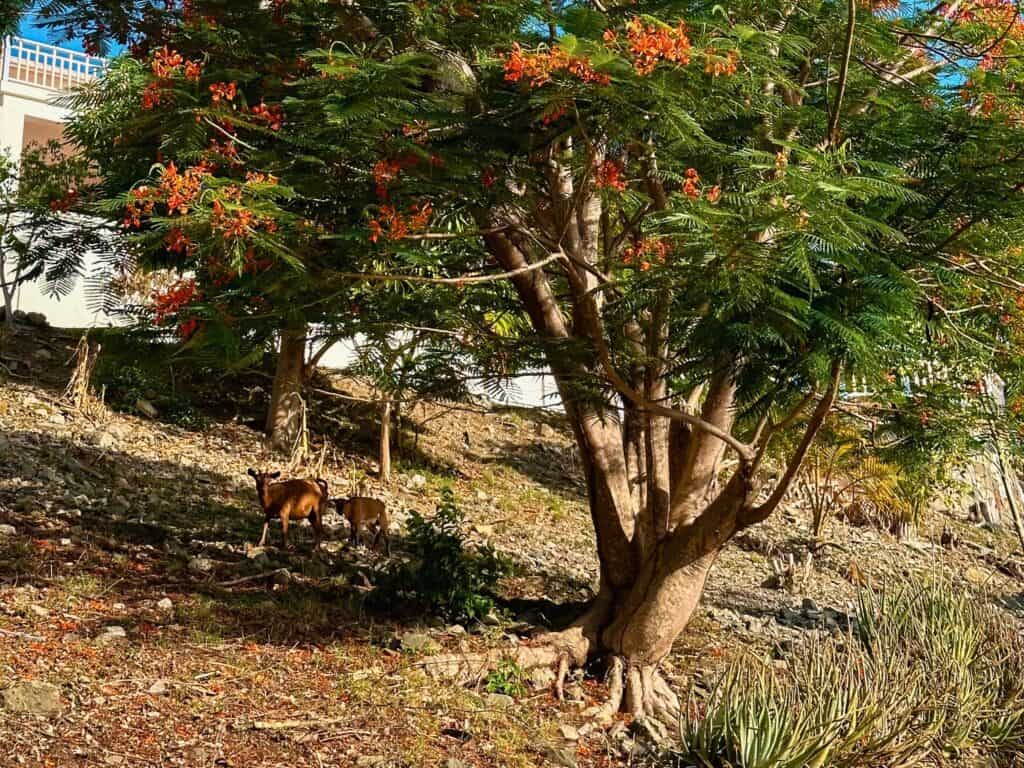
709 215
705 215
209 177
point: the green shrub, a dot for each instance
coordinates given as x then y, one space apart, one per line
444 576
931 673
508 679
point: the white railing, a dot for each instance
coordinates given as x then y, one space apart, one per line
46 66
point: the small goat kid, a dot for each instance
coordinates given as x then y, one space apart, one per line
291 500
361 512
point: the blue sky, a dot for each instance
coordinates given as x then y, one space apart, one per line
31 30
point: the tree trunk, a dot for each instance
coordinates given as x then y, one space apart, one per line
284 417
385 442
660 511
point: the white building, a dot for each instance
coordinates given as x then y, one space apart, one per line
33 77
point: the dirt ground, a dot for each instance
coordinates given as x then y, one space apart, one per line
150 635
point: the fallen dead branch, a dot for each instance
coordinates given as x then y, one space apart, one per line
322 722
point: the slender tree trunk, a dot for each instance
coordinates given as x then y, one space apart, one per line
385 442
284 417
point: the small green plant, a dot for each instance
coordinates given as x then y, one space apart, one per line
126 384
444 576
508 679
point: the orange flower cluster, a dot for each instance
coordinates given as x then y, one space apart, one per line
180 189
254 177
166 64
538 68
717 65
234 223
650 44
143 199
384 172
387 170
151 95
691 187
178 242
222 274
554 112
609 176
223 149
691 182
226 91
272 115
173 299
64 202
644 252
177 190
397 225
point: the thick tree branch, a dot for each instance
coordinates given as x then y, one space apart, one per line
374 277
753 515
844 73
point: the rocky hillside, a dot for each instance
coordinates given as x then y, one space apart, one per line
139 627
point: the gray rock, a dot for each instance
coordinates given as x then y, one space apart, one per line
33 697
809 605
416 482
569 733
560 755
165 604
201 565
575 692
112 635
451 762
542 678
42 355
370 761
8 530
40 611
282 576
146 408
159 688
103 439
499 700
419 642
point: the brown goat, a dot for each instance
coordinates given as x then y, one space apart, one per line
361 512
291 500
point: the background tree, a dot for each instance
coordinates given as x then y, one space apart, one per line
39 194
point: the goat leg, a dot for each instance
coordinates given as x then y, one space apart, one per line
284 529
263 537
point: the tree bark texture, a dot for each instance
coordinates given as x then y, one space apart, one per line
284 416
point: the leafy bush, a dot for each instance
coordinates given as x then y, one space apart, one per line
508 679
126 385
444 576
930 673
